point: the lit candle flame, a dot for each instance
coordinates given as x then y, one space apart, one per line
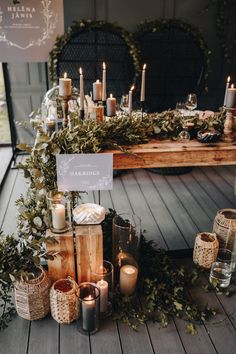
65 75
232 86
132 88
97 81
144 66
111 95
104 65
228 79
80 71
89 297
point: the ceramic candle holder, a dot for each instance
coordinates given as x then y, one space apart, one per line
89 308
59 212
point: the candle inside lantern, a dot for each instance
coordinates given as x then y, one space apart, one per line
226 88
81 87
111 106
103 286
97 91
65 86
59 216
128 279
88 313
50 125
143 84
231 97
104 82
130 103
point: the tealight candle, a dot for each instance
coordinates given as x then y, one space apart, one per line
226 89
103 286
130 103
88 313
59 217
231 97
104 82
64 86
81 87
143 84
128 279
97 91
111 106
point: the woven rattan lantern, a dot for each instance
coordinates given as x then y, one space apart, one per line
225 227
205 249
32 296
63 301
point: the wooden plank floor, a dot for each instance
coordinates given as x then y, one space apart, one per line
172 209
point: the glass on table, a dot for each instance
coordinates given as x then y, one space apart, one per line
124 103
191 102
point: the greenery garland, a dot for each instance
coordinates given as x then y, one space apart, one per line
90 137
160 24
88 25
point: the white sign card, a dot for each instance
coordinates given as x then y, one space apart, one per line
84 172
28 30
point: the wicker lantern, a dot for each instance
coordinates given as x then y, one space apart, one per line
205 249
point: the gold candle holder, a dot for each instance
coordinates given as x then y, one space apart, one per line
228 125
64 104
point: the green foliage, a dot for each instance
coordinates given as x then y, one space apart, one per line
90 137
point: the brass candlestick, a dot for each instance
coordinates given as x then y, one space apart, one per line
228 125
64 104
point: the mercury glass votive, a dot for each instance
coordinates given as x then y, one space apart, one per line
89 308
59 212
104 277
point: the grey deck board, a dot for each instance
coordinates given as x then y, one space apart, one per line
141 208
165 340
135 342
44 336
211 189
172 209
169 230
73 342
106 340
176 208
14 339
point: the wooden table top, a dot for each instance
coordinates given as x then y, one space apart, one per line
169 153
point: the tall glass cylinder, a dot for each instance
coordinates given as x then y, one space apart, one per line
125 240
103 277
89 308
59 212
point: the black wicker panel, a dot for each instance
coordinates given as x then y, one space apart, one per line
176 66
88 50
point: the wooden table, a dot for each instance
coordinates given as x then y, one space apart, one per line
168 153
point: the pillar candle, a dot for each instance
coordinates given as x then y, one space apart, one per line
59 216
143 84
97 91
111 106
226 89
128 279
104 83
130 101
81 88
88 313
103 286
64 86
231 97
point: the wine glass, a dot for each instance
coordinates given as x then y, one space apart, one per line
124 103
191 102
